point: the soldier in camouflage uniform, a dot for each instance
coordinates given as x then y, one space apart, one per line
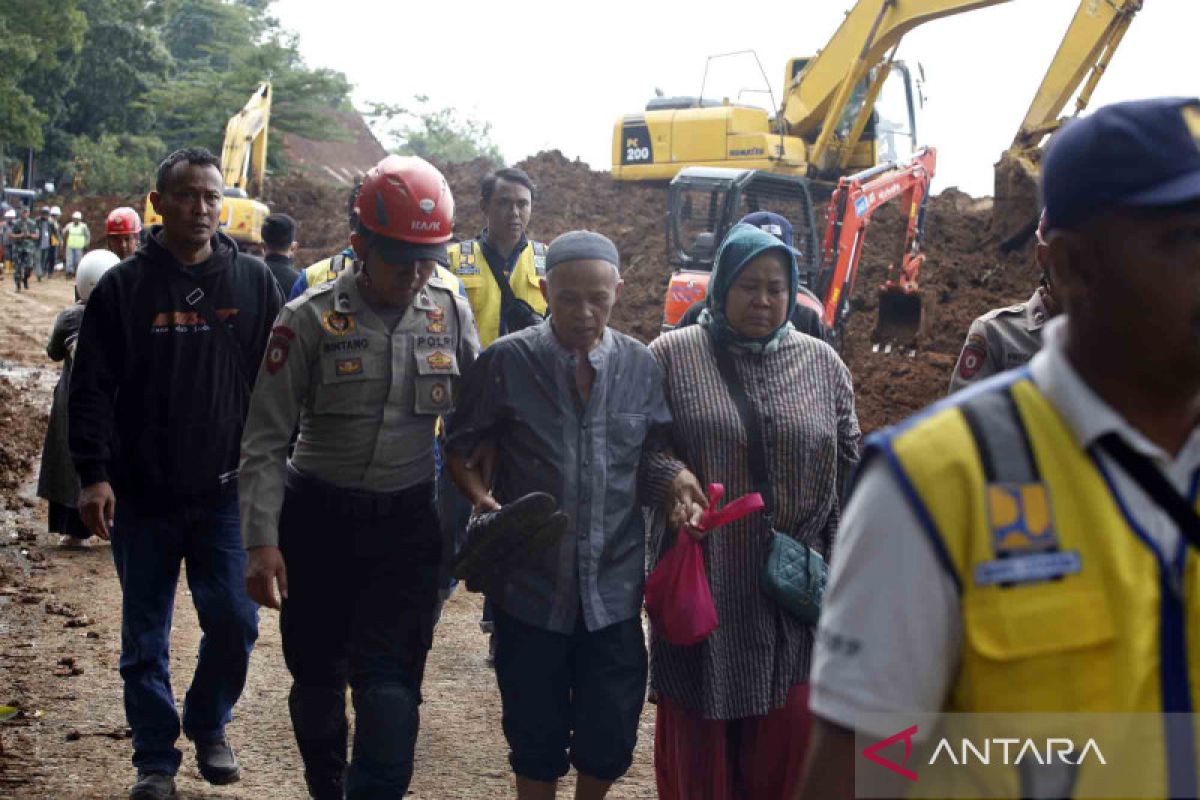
1006 338
24 238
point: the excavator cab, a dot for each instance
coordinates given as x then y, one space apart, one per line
703 203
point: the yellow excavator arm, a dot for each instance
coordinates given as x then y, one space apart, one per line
1087 47
244 168
817 98
1086 50
244 155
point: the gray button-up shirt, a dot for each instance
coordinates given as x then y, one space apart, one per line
521 394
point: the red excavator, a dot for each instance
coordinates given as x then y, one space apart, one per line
705 202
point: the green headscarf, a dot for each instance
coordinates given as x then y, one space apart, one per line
742 245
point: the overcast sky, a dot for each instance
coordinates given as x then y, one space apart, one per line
559 74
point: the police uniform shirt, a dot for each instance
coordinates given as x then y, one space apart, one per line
1001 339
367 398
890 626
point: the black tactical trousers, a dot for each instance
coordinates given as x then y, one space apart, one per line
362 585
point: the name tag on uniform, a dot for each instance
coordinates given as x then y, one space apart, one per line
1028 569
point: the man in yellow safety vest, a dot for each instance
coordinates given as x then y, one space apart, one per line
1031 545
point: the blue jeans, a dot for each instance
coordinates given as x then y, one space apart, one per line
148 547
74 255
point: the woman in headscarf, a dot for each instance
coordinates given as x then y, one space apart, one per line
732 711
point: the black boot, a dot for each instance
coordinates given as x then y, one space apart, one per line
319 722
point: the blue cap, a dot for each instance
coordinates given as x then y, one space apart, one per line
774 224
1141 154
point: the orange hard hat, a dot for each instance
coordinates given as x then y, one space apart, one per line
406 198
122 221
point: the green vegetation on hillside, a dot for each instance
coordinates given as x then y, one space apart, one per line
102 89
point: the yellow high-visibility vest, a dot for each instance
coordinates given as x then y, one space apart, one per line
469 264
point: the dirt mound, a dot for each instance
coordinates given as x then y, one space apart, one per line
964 276
25 425
338 162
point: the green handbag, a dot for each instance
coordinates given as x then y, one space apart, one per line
794 577
794 574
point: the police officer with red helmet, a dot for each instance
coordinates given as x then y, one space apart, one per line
346 530
123 230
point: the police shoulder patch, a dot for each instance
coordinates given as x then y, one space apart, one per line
278 348
973 357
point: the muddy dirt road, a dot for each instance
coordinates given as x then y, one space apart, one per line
60 642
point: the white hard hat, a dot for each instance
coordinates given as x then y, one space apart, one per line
10 214
91 267
76 215
55 211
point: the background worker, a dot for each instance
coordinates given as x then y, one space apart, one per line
367 364
502 268
47 244
1006 338
168 350
24 235
6 256
58 482
1020 547
76 236
501 271
279 242
123 229
57 242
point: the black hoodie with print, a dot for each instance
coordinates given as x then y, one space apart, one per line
157 397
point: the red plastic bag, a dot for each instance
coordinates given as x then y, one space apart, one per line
678 598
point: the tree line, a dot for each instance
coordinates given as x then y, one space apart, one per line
100 90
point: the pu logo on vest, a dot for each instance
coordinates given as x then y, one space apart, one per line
1023 538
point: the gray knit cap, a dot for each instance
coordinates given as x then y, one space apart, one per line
581 246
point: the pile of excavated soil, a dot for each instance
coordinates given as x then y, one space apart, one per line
340 161
24 424
964 276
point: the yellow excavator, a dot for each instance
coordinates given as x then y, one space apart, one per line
1093 36
244 165
830 123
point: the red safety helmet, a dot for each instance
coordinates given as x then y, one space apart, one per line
406 198
122 221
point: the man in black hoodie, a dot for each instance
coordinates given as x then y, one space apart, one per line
168 350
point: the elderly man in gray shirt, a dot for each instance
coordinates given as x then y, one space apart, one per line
570 407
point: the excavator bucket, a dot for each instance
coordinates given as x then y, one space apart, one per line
1015 208
898 320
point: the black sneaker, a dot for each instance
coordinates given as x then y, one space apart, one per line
153 786
217 763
